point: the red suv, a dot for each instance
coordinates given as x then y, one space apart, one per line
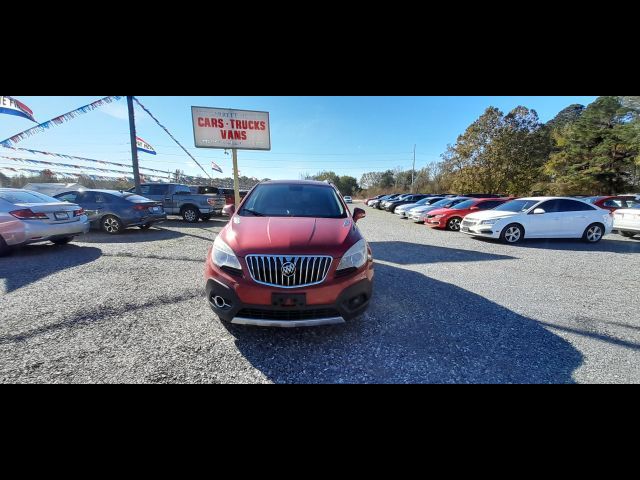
451 218
290 256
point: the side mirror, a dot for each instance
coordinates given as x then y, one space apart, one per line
229 210
539 211
358 213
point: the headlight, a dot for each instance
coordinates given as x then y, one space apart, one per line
489 222
438 216
356 256
223 256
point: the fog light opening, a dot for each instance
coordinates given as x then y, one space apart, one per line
221 303
358 301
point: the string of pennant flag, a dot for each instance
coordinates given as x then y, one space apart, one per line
65 165
78 175
59 120
83 159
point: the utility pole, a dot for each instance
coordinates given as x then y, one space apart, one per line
413 169
134 145
236 180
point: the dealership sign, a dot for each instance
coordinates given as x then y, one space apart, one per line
231 129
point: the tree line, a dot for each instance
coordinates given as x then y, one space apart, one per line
582 150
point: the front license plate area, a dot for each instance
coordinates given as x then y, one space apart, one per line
288 300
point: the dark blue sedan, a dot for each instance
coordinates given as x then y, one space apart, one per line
113 211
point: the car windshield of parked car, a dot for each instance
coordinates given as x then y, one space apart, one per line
23 196
445 202
517 206
295 200
424 201
464 205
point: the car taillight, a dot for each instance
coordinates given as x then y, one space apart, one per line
140 208
28 214
78 213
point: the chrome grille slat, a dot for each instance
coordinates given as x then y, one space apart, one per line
309 270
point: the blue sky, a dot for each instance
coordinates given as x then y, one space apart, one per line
349 135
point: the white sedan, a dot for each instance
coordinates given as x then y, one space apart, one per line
348 199
540 217
627 221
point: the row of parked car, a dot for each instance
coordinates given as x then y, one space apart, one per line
28 216
514 219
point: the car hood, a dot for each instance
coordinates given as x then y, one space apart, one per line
490 215
406 206
423 209
445 211
290 235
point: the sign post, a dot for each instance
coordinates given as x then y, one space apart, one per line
134 144
233 130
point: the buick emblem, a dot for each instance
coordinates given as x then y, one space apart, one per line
288 269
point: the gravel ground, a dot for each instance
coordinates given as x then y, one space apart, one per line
447 308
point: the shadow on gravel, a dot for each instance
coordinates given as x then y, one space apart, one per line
608 244
99 314
405 253
425 332
34 262
201 231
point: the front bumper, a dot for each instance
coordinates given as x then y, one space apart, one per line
239 300
487 231
436 222
626 226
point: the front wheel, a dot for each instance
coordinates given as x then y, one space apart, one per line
62 241
205 218
191 215
111 225
512 233
454 224
593 233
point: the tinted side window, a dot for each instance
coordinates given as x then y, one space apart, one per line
613 203
103 198
488 205
573 206
71 197
550 206
182 190
89 197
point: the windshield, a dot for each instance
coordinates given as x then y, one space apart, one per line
424 201
516 206
293 200
24 196
464 205
445 202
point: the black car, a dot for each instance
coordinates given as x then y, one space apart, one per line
388 198
376 202
391 207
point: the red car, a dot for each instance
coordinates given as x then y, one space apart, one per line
613 202
290 256
451 218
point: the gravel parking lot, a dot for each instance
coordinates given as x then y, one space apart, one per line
447 308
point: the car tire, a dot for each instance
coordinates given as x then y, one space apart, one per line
111 225
146 226
205 218
512 233
191 215
454 224
593 233
627 234
4 248
62 241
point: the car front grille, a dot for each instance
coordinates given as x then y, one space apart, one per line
263 314
288 271
468 223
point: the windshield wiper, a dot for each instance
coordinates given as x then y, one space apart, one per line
253 212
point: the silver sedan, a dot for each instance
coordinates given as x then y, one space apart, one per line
30 217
